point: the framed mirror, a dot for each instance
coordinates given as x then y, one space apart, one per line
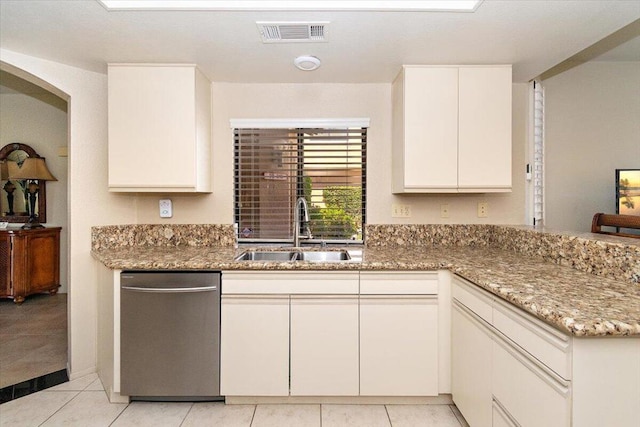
17 152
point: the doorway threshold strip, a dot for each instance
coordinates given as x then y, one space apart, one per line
33 385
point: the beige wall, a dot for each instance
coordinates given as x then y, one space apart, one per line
592 127
234 101
42 126
89 203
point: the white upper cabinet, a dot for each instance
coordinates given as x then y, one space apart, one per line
484 129
452 129
159 128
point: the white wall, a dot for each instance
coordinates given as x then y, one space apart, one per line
89 203
43 127
592 127
337 101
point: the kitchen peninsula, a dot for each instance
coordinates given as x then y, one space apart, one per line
527 289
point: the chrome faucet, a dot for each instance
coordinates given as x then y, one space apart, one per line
300 203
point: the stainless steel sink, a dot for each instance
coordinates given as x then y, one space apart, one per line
267 256
323 256
285 256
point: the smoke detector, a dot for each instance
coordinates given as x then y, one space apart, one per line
306 62
293 32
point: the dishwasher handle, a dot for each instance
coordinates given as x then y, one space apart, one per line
170 290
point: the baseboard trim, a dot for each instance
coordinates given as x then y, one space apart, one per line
442 399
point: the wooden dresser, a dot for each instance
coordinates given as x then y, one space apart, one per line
29 262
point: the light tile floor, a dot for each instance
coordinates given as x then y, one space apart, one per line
84 403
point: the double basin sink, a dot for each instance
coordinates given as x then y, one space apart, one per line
295 255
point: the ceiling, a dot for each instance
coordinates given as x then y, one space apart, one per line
363 47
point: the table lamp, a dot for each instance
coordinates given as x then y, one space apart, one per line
33 169
7 168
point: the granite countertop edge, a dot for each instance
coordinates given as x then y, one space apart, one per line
574 302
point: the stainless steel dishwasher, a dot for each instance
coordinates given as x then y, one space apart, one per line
170 335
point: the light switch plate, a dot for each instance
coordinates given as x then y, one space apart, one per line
166 208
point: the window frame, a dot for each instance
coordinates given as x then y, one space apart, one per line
299 126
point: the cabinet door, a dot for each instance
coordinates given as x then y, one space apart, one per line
526 390
398 346
471 367
324 346
430 128
159 128
5 265
484 140
43 262
254 346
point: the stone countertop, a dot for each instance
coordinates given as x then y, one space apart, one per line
574 302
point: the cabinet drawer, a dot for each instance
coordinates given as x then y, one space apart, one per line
398 283
290 282
473 298
500 417
530 394
542 341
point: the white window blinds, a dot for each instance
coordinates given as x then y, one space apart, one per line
273 167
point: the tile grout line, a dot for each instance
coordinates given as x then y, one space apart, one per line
386 410
60 408
187 414
253 416
119 413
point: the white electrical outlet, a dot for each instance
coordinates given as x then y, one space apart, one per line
483 210
400 211
444 211
166 208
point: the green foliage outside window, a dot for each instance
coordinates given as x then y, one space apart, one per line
341 218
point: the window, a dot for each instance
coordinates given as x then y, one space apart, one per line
273 167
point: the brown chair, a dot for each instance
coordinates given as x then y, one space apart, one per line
618 221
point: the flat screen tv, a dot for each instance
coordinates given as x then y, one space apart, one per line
628 191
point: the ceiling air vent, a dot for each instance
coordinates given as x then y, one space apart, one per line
293 32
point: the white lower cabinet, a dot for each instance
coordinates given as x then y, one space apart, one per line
399 345
511 369
500 417
324 345
471 347
526 389
323 333
501 374
254 349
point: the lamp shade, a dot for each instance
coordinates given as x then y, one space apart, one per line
33 168
7 169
